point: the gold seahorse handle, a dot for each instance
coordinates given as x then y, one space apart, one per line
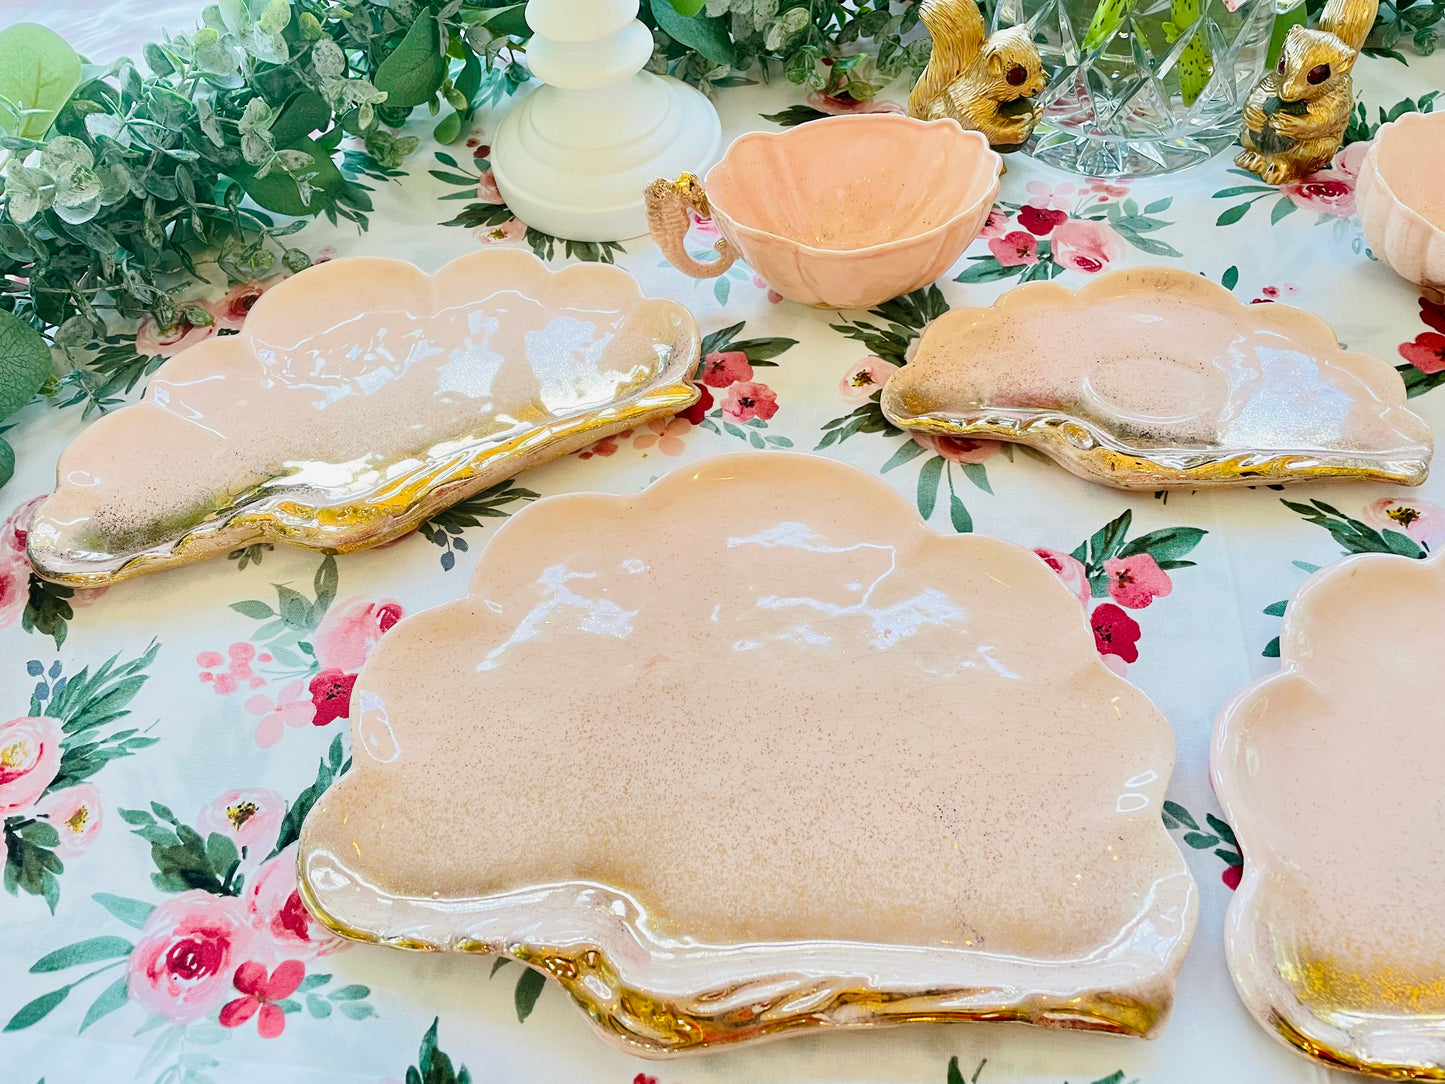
667 205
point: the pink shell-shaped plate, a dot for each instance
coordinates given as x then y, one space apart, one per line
361 397
1400 197
1332 773
808 764
1154 377
849 212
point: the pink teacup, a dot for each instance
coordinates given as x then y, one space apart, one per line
842 213
1401 200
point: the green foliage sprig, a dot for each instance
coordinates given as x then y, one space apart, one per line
126 185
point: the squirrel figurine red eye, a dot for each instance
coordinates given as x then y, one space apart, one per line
1296 116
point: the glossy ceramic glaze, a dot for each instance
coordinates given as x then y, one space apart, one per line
361 397
806 763
1332 773
849 212
1156 377
1400 197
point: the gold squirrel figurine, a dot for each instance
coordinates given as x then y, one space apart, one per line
985 83
1295 117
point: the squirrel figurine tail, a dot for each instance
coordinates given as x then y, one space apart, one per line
1350 20
986 83
1295 117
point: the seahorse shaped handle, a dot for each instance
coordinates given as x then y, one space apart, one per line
667 205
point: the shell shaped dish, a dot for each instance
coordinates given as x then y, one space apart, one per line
1155 377
849 212
1401 200
810 764
1332 773
361 397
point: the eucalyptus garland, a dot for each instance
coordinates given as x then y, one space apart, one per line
126 185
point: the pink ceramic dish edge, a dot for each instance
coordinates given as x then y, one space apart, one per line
835 278
916 396
1280 958
386 495
1399 235
764 949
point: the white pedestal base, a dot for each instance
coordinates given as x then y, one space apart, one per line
574 163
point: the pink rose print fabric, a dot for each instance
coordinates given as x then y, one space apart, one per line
188 951
29 760
76 814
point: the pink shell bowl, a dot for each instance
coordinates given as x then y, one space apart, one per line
852 211
1401 200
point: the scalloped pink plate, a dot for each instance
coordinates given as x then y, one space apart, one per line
808 764
1154 377
362 397
1332 773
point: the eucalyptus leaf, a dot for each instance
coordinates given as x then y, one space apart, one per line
708 36
413 74
7 461
27 192
236 16
266 46
104 125
276 17
65 149
328 59
210 126
38 71
25 363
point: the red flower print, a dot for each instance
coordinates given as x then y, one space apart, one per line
274 909
331 694
230 311
995 226
186 950
604 447
643 1078
1087 246
1071 570
1015 249
1426 353
698 411
1115 632
1431 312
750 400
14 587
261 992
487 189
1136 581
350 631
1041 220
1231 876
957 449
719 370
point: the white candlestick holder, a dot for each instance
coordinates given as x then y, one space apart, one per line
573 156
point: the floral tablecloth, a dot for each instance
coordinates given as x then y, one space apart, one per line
139 943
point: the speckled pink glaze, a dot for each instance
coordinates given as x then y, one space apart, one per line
849 212
361 396
1332 773
781 754
1154 376
1400 197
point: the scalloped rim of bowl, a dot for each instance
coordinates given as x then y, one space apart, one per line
1372 162
875 119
